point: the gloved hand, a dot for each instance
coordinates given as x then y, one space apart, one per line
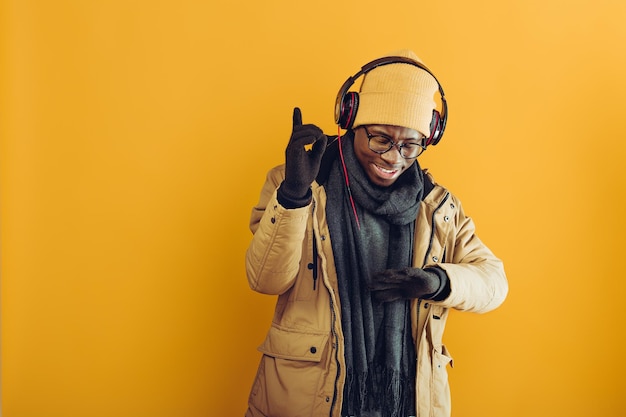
398 284
302 165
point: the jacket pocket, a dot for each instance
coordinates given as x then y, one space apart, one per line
290 373
440 386
293 344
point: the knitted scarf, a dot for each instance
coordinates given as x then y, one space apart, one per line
379 349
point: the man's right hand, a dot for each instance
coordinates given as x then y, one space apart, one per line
302 164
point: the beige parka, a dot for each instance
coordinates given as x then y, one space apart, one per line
301 372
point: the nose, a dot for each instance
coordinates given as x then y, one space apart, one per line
392 156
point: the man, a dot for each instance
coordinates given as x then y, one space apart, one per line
367 254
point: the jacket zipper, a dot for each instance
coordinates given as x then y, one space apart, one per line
333 315
430 245
335 344
314 260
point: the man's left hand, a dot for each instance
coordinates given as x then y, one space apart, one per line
406 283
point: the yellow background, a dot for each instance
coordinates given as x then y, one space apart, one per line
135 136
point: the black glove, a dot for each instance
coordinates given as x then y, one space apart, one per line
398 284
301 165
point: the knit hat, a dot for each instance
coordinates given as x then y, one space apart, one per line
398 94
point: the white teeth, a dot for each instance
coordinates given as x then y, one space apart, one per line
388 171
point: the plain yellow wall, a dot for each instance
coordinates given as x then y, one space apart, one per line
136 136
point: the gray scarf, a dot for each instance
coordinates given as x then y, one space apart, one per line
379 349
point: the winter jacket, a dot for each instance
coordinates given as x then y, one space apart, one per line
301 372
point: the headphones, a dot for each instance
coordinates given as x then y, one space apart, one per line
347 103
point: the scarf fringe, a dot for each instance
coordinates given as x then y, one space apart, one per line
356 392
385 391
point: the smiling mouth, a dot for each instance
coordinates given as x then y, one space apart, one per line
385 172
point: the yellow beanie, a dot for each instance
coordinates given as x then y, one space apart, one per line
398 94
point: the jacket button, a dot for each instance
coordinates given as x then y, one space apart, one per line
313 349
273 220
310 266
435 259
451 205
327 399
446 219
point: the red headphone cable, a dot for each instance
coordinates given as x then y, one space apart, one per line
345 175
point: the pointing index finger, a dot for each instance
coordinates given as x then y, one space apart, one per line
297 117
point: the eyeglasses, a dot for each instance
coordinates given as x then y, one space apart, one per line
381 144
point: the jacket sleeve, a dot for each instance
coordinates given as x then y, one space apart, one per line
273 256
478 282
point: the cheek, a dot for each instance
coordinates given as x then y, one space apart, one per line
362 155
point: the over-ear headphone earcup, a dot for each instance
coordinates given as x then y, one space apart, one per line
435 129
349 106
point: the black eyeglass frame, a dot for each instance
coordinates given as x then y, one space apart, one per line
392 144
